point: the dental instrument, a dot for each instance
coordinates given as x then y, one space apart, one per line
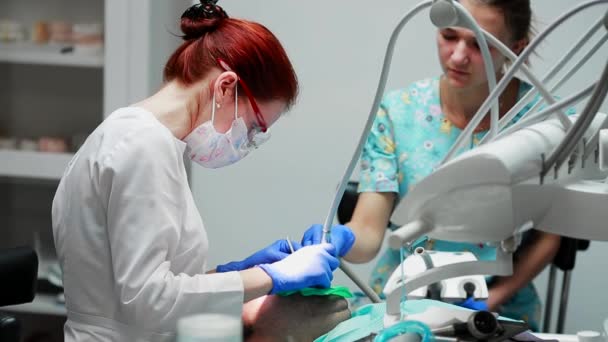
290 244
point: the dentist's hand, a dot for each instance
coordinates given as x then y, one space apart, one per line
341 237
477 305
310 266
275 252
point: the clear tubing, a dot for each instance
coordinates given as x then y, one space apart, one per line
403 291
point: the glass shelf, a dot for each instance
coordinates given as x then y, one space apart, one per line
29 53
42 304
39 165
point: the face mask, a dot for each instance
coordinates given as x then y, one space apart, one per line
211 149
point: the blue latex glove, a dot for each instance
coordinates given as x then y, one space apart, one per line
275 252
310 266
477 305
341 237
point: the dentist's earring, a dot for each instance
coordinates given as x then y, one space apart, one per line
218 105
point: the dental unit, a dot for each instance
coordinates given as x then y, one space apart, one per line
548 171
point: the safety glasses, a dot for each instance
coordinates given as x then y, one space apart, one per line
261 123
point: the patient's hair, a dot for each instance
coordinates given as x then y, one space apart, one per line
249 48
518 16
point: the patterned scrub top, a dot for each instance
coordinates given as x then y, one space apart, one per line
409 138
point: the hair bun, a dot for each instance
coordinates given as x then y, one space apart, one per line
201 18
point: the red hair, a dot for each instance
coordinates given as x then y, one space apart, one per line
249 48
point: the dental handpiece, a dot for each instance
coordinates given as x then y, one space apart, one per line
326 234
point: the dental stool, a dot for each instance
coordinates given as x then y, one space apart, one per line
564 260
348 202
18 274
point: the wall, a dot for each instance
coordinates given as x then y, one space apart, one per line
337 49
164 19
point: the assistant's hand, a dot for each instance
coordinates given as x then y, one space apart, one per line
275 252
310 266
341 237
471 303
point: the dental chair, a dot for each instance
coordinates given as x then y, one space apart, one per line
564 260
18 272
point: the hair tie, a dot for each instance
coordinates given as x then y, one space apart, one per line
206 9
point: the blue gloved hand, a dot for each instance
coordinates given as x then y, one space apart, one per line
275 252
310 266
341 237
477 305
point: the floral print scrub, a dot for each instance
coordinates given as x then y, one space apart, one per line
408 140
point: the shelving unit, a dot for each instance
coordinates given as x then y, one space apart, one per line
50 92
29 53
43 304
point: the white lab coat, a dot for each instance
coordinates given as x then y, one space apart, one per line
129 238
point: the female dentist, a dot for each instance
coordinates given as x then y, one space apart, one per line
130 241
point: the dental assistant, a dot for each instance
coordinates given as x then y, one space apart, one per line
130 240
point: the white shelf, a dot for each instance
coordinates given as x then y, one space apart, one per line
43 304
29 53
39 165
